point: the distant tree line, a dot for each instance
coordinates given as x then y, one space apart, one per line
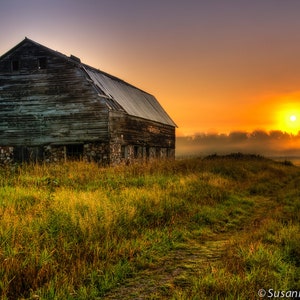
272 143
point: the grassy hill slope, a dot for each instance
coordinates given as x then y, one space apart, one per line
214 228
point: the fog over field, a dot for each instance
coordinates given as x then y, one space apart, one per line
271 144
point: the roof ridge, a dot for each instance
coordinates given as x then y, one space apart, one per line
77 61
116 78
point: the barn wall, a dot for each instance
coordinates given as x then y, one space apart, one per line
55 105
136 131
134 138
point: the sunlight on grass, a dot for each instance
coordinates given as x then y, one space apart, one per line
76 230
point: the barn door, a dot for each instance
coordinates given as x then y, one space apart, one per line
27 154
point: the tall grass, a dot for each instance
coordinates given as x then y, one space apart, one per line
76 230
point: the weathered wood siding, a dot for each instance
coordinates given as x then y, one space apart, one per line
55 105
126 129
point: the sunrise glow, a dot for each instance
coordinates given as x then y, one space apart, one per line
208 64
288 121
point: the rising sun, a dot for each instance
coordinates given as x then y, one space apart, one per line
288 120
292 123
287 116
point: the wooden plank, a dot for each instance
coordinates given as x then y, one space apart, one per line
55 105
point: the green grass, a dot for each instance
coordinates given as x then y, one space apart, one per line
76 230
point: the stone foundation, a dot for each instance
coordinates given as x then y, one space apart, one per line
90 152
6 155
54 153
115 154
101 153
131 153
97 152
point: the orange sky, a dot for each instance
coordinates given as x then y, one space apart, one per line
215 66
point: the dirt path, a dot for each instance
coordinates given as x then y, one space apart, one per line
172 271
180 264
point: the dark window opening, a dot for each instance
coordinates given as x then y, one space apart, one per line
169 152
15 65
124 151
42 63
21 154
157 152
74 151
136 151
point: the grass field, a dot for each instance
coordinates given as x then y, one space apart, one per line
79 231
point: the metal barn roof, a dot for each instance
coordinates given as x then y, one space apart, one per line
133 100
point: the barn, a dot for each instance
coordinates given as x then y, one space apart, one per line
55 108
